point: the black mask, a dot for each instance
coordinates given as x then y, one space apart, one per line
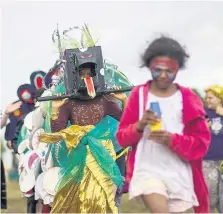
77 60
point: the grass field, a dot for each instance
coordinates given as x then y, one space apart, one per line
17 204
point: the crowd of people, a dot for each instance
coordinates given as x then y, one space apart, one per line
83 141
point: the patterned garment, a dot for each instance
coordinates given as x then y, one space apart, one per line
83 113
214 181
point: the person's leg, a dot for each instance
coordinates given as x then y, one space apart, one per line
220 187
118 198
39 207
3 188
211 175
46 208
180 206
121 165
191 210
156 203
155 196
31 205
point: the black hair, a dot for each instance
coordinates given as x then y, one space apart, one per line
165 46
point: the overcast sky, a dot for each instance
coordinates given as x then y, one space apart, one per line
124 29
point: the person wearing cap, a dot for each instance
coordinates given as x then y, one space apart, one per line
213 160
164 165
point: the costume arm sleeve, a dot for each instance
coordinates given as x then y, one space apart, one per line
193 146
112 108
127 134
62 120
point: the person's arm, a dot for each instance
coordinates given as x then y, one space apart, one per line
9 109
112 108
60 118
127 135
4 119
193 146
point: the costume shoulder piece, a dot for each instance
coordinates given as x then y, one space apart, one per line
36 79
26 93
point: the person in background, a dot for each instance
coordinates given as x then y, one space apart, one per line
10 108
214 157
164 166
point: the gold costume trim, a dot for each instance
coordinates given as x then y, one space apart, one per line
95 192
71 135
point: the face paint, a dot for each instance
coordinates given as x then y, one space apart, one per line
171 76
156 74
164 63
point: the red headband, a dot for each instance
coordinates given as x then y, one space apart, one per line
164 63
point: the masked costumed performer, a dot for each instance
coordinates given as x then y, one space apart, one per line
90 175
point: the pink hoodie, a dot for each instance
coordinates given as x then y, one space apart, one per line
191 146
